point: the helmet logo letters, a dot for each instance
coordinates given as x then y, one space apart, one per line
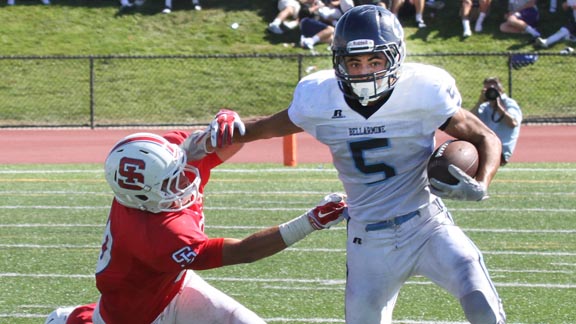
360 46
128 175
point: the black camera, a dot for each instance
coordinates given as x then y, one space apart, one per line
491 93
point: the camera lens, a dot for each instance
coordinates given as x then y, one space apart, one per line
491 94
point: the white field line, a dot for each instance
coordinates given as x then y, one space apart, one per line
339 228
271 170
268 320
548 210
326 283
243 192
311 250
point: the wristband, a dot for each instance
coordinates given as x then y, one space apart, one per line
296 229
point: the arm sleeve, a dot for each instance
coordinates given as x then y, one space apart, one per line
209 256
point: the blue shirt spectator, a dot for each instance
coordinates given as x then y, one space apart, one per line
501 114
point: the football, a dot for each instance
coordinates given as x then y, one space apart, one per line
461 153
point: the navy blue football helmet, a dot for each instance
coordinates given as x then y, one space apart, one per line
368 29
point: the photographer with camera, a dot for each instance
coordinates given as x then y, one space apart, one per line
501 114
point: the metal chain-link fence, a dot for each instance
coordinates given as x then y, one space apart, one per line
113 91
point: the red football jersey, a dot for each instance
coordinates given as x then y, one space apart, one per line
141 265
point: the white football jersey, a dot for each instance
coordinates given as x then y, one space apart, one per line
381 160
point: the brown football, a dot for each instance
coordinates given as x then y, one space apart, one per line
461 153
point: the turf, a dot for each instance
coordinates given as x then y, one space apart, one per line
52 219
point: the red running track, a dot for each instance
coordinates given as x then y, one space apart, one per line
537 143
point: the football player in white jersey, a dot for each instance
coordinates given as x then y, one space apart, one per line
378 116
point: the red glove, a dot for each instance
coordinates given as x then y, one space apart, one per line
330 211
222 127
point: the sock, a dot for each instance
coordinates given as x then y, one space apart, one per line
276 22
479 21
562 33
530 30
419 17
315 39
466 24
481 17
168 3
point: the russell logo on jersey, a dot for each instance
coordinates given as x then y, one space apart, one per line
338 114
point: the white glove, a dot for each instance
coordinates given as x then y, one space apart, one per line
467 187
222 127
195 145
329 212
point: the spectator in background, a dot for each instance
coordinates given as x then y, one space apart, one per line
313 29
522 17
334 10
466 10
168 6
435 4
382 3
13 2
288 11
553 6
402 7
127 5
501 114
567 32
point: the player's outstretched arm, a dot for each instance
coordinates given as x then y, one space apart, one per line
329 212
276 125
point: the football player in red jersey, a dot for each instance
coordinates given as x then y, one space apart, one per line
155 237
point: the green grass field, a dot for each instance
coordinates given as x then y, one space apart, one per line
52 218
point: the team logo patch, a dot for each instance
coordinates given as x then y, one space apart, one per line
184 256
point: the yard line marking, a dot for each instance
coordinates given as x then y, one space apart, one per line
532 271
269 320
327 168
315 250
50 246
549 210
476 230
326 282
242 192
40 275
564 264
339 228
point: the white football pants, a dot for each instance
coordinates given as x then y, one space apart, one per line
431 245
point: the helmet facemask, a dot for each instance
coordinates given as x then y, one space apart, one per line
365 30
177 191
370 87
